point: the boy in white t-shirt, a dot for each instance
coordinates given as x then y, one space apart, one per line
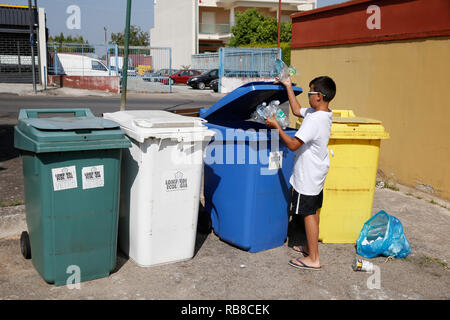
311 162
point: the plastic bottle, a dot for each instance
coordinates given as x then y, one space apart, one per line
280 116
259 115
282 71
362 265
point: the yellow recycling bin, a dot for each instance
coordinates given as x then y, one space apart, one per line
354 148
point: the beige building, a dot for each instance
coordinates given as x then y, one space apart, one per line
390 61
197 26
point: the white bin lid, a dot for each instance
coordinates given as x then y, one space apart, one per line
144 124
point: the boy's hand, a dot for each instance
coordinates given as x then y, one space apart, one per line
286 82
272 123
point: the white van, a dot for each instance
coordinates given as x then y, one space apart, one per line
78 65
119 60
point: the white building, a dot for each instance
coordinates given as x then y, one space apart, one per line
197 26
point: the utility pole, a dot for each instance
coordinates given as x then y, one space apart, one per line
123 102
33 71
279 22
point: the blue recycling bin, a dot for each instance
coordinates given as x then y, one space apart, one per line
247 170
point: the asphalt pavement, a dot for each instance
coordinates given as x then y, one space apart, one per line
219 270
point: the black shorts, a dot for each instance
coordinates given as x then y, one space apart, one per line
305 205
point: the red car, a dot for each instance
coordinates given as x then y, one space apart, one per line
182 76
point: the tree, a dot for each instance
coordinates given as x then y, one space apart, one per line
69 44
137 37
253 27
61 38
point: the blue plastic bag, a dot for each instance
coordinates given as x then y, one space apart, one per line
382 235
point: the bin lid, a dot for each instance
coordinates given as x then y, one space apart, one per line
144 124
66 123
55 134
239 104
346 125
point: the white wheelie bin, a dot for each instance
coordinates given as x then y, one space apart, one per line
160 185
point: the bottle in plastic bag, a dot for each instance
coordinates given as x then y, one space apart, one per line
282 71
281 118
278 114
383 235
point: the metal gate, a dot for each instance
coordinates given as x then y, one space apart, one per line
15 58
148 68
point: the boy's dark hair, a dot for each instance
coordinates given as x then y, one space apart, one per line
326 86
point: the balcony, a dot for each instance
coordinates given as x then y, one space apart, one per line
214 29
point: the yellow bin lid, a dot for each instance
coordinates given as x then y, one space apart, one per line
348 126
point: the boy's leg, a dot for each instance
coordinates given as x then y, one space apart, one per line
312 236
306 247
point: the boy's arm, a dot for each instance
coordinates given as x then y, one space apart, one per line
295 105
292 143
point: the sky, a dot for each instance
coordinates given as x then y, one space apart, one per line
95 15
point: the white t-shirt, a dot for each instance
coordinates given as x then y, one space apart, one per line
311 159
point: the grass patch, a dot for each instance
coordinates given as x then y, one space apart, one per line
436 260
423 259
392 186
10 203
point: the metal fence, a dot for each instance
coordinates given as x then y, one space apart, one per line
247 62
205 61
146 66
238 62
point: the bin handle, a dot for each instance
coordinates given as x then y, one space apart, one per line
34 113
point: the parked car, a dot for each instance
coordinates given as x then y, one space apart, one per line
204 79
159 76
78 65
182 76
214 85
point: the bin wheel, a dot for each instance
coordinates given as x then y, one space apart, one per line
25 246
204 224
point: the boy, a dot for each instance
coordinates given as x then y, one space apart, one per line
311 162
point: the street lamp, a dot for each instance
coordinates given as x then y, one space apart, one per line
279 22
123 101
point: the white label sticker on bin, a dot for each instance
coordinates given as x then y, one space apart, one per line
275 160
92 177
175 181
64 178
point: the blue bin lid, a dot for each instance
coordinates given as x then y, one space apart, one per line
239 104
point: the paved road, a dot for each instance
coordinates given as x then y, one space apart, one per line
10 104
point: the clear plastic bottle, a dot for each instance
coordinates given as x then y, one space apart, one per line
260 114
273 107
282 71
281 118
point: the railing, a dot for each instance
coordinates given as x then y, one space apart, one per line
247 62
144 63
214 28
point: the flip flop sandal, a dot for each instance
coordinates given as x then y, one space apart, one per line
300 249
302 265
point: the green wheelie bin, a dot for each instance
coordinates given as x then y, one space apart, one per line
71 168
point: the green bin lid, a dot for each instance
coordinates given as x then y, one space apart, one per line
56 134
